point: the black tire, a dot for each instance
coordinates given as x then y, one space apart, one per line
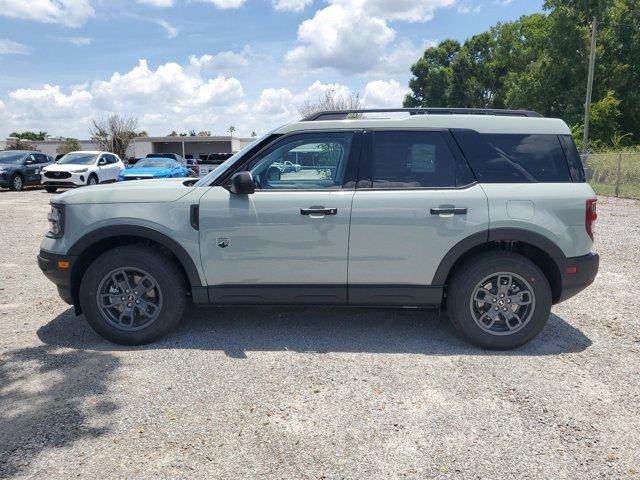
93 177
467 278
163 270
51 189
16 183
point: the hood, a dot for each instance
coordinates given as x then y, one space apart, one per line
8 166
155 171
67 167
134 191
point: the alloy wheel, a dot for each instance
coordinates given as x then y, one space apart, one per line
502 303
129 298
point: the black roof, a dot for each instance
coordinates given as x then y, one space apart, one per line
342 114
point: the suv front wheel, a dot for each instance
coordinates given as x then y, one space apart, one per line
499 300
133 295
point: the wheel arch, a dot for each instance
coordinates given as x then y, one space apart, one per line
539 249
95 243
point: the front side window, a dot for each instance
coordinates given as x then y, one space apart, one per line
412 159
304 161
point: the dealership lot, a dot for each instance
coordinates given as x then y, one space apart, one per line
318 393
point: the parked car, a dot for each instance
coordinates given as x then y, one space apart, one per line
173 156
484 214
153 168
19 168
81 168
193 167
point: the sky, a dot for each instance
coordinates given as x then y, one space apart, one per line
208 64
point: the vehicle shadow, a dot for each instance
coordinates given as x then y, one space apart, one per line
236 330
50 398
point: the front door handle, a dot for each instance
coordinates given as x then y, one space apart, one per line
449 211
318 211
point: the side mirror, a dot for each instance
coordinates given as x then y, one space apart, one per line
102 162
29 162
242 183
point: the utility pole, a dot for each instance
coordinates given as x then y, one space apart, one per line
587 103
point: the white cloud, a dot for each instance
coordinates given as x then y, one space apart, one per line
9 47
355 36
383 94
72 13
290 5
81 41
401 10
222 62
226 4
167 27
176 95
157 3
349 41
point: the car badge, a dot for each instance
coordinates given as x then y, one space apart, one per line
223 242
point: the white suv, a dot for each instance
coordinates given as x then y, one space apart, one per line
77 169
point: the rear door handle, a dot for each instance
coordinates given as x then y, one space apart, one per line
449 211
318 211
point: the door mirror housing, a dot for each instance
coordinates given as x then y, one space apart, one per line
102 162
242 183
29 161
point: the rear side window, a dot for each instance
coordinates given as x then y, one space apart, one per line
573 158
514 158
413 159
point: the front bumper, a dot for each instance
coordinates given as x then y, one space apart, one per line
50 265
75 180
586 269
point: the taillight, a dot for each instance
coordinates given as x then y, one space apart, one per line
591 216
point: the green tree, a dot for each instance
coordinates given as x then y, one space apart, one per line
540 62
28 135
69 145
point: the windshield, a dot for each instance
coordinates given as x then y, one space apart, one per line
78 158
11 157
156 163
224 166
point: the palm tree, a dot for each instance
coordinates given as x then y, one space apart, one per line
231 129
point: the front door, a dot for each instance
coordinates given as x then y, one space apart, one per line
288 241
418 200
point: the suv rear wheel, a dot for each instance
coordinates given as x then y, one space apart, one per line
499 300
133 295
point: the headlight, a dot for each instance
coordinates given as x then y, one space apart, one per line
56 221
82 170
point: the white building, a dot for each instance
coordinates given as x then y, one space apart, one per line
195 147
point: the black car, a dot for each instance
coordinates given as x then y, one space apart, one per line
21 167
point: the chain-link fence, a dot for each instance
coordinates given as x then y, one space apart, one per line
614 173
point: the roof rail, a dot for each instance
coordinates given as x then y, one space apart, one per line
343 114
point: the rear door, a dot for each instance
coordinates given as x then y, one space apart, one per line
416 198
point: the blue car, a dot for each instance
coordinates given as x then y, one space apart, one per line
153 168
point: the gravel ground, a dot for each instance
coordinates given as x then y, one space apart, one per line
318 393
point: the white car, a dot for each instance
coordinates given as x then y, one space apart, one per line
77 169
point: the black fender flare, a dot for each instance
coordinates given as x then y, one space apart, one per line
496 235
115 231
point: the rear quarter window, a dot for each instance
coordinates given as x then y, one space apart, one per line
515 158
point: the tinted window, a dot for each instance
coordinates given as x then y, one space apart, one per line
413 160
514 158
40 158
573 158
304 161
541 156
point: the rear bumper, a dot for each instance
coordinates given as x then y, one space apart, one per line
586 269
61 277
